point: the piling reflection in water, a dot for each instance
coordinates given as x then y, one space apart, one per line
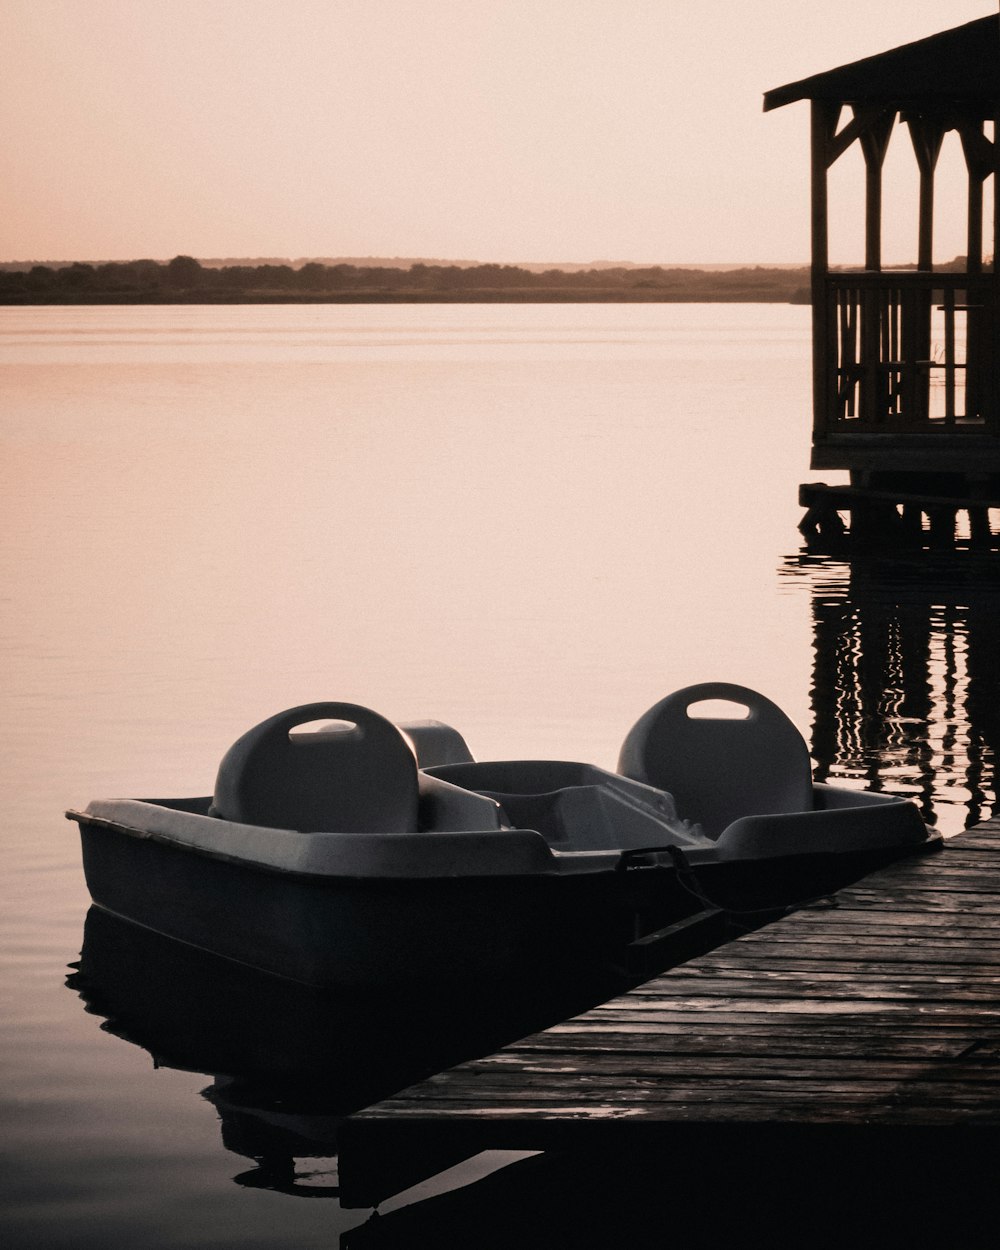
905 691
293 1151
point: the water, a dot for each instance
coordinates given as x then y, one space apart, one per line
529 521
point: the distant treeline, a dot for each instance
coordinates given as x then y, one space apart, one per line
186 280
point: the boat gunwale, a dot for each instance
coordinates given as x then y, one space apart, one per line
539 861
462 855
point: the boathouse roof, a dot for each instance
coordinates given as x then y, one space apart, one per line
962 64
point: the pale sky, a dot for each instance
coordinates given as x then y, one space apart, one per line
494 130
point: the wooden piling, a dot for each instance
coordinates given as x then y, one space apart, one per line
893 518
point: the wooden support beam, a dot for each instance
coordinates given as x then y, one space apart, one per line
974 233
992 380
980 534
823 124
874 521
874 142
927 135
912 522
980 157
980 152
942 519
826 524
821 494
865 118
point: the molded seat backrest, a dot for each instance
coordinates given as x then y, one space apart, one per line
359 776
719 768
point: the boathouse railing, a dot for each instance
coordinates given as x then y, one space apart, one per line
909 352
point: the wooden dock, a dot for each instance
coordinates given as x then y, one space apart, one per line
860 1040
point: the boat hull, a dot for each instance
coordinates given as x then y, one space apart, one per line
341 932
333 932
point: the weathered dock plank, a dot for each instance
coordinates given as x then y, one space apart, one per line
880 1015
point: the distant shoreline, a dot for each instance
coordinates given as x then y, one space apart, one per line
185 280
26 299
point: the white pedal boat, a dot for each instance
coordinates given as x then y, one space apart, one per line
370 854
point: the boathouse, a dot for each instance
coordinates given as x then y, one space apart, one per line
906 361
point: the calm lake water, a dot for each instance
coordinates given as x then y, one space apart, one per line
529 521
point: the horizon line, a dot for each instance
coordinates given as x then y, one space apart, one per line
382 261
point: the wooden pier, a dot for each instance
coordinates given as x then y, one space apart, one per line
855 1046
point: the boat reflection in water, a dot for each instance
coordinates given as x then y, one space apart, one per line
906 678
289 1063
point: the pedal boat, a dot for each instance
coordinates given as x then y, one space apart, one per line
368 854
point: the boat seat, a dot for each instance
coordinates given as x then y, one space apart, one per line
719 769
358 775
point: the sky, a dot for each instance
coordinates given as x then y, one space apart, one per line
490 130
